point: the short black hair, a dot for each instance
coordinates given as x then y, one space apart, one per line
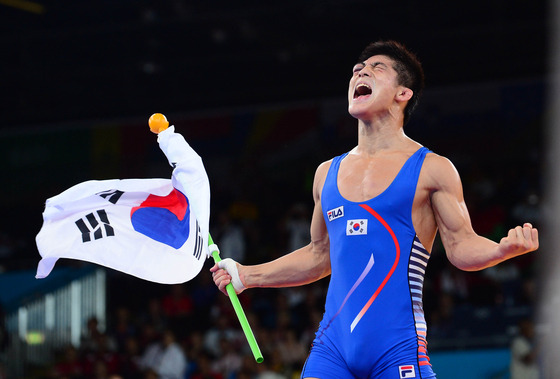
409 69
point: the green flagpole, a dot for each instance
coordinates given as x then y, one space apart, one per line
239 310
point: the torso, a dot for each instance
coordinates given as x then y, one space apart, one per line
362 178
377 262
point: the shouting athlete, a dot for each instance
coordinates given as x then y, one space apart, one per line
377 211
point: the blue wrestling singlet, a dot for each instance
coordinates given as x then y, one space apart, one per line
374 325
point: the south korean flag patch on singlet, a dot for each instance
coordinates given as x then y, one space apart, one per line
356 227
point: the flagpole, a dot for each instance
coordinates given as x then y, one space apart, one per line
158 123
238 309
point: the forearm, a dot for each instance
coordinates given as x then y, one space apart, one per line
303 266
474 253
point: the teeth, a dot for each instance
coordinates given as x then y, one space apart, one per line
362 85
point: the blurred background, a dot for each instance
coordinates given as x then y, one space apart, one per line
259 90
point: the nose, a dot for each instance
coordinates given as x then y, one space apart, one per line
364 72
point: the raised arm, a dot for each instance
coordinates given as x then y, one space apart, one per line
305 265
465 249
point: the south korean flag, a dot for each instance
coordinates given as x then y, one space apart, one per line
154 229
356 227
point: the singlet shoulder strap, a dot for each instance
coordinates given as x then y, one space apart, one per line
332 174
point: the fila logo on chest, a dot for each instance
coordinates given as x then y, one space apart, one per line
335 213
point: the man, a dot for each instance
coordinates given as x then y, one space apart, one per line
377 211
165 358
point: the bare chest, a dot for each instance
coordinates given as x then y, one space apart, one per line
363 179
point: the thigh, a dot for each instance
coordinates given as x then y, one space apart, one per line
324 363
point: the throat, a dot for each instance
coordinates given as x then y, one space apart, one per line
374 137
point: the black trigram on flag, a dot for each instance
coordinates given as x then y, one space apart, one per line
112 195
198 242
93 225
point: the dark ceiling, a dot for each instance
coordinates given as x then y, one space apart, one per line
74 60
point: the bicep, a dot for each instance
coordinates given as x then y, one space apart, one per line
450 211
464 248
320 246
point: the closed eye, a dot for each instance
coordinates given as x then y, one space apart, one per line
358 68
379 65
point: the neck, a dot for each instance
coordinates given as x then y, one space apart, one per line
376 136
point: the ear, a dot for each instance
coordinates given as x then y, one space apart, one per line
404 94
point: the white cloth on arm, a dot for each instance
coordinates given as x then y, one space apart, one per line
230 266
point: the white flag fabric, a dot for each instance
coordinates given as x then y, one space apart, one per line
155 229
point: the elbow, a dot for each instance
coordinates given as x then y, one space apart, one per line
469 268
466 262
470 263
321 255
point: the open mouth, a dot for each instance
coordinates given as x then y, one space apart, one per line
362 89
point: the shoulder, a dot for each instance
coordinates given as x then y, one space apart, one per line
320 176
436 161
439 172
323 168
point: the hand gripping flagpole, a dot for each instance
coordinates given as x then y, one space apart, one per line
237 307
